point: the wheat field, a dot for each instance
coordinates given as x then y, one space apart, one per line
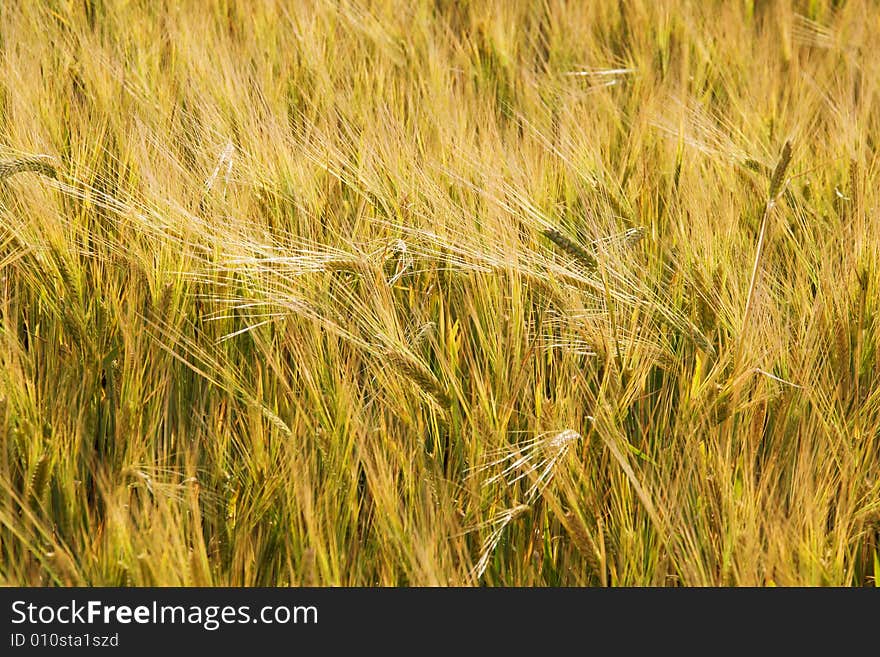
415 293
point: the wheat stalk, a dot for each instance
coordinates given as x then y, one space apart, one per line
776 183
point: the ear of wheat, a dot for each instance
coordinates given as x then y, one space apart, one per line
571 247
779 173
42 164
535 459
497 524
40 478
421 376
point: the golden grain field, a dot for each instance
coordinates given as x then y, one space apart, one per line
523 293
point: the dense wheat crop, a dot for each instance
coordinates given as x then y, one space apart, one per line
414 293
